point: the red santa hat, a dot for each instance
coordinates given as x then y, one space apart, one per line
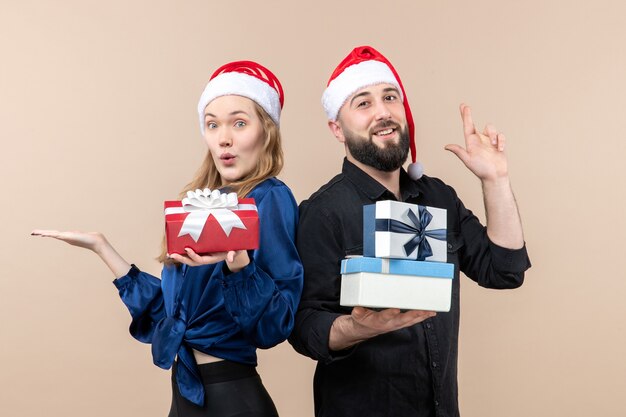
247 79
365 66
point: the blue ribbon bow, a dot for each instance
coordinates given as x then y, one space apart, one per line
418 229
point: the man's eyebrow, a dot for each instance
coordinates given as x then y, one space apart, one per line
389 89
364 93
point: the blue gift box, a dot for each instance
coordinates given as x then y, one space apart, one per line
397 266
396 283
393 229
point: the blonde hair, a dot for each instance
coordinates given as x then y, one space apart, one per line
269 165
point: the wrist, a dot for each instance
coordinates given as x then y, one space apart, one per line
361 331
100 244
240 261
346 332
498 182
342 334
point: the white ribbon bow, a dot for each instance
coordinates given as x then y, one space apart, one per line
201 204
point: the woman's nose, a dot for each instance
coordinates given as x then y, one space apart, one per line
225 139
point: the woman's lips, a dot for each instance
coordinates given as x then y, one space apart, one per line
227 159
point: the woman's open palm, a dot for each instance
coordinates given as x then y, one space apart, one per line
87 240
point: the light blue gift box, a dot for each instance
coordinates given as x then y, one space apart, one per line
397 266
396 283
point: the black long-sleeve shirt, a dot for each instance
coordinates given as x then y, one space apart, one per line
411 371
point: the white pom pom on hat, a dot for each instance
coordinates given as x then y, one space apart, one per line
366 66
247 79
415 170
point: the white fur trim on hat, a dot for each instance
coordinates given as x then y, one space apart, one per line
240 84
352 79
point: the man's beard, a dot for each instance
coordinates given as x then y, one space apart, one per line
388 158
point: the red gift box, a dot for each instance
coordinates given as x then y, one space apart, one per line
208 230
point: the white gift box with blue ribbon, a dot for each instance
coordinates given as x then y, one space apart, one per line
395 283
392 229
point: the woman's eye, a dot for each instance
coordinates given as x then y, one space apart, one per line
240 123
211 125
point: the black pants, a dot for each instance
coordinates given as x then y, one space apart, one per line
230 390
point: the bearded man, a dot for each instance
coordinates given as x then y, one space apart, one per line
392 362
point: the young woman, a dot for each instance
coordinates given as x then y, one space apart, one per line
209 313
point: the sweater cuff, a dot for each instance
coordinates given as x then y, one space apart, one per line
123 281
234 278
509 260
320 336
